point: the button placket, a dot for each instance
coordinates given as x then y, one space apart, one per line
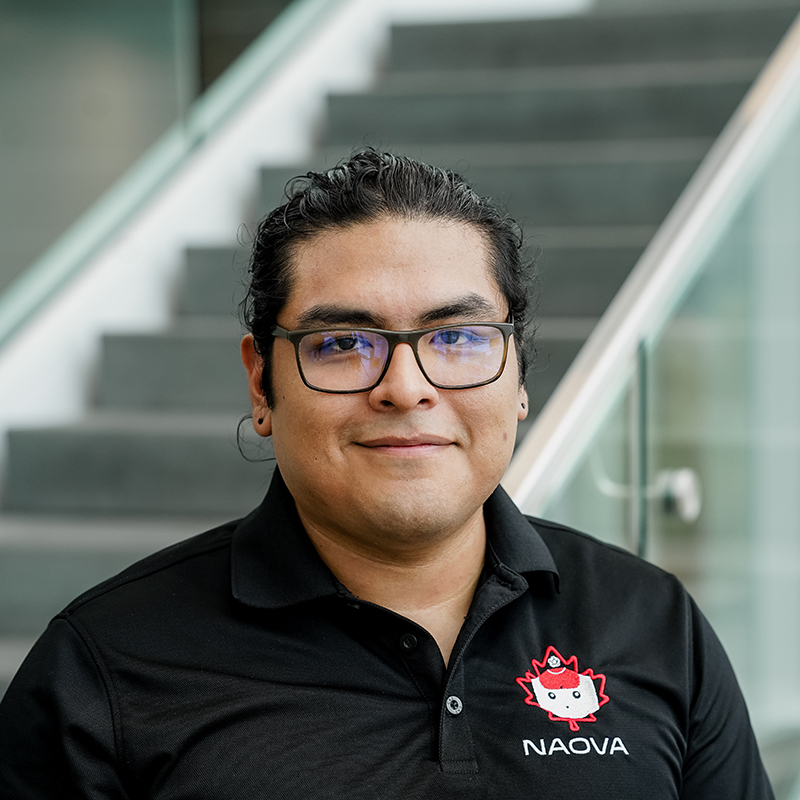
456 750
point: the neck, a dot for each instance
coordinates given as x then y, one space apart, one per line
432 584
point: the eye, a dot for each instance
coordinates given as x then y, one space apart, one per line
576 694
458 337
551 695
345 342
450 336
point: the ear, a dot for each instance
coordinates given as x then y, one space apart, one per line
262 416
522 403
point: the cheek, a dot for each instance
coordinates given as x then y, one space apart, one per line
495 415
308 427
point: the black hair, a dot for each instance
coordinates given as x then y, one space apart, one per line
365 188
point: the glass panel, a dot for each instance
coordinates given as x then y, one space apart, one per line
86 88
598 496
724 395
107 59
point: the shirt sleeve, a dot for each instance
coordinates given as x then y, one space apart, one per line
722 761
58 726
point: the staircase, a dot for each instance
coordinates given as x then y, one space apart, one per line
586 128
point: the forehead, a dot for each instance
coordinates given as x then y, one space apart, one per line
395 270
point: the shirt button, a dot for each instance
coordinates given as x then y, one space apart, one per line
454 705
408 643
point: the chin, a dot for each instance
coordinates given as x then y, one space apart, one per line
416 516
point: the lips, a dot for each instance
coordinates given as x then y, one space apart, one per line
418 440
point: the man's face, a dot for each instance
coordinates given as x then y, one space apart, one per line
405 462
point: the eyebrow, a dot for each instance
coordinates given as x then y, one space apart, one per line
329 314
470 306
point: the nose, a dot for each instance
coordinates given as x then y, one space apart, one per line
403 386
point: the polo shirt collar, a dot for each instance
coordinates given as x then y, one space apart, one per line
275 565
514 541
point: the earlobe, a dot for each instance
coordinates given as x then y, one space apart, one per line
262 416
262 421
522 407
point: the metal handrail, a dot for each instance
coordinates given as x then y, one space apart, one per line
67 257
593 382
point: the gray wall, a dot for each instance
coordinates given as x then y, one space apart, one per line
85 87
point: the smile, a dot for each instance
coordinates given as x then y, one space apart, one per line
402 445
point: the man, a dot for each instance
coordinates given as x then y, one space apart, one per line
386 624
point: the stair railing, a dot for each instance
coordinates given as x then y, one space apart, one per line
610 362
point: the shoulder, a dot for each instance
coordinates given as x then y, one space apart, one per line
573 550
612 586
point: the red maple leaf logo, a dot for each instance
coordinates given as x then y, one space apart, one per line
564 693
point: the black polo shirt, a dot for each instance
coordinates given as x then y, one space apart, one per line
234 665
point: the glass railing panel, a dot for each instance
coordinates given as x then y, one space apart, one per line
724 389
700 405
597 495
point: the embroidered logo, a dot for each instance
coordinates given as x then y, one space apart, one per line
560 690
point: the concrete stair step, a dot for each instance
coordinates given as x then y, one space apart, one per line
570 78
521 115
193 366
461 157
216 274
623 193
138 536
633 37
137 464
582 281
604 192
464 158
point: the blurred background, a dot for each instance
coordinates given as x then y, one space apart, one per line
651 151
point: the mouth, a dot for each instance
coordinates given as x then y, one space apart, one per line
400 445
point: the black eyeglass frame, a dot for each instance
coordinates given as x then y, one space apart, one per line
394 338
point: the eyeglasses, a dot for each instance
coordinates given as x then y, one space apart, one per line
349 360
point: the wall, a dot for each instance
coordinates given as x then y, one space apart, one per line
85 87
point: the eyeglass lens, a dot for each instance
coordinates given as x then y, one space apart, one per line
349 360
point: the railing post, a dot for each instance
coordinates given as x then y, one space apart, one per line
639 496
